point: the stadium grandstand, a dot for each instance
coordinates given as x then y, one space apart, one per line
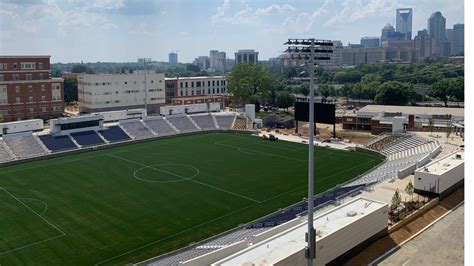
75 133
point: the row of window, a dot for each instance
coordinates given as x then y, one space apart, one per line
110 83
42 109
116 92
118 101
202 83
214 91
28 76
24 66
30 100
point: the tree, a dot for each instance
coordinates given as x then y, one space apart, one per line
396 200
395 93
250 83
304 89
345 91
449 130
284 100
70 89
82 69
326 90
409 189
431 125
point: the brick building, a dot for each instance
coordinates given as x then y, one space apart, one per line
27 90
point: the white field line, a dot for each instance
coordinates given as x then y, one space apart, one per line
220 217
184 178
197 226
42 202
62 233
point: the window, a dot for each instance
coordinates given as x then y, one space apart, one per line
181 84
30 99
16 76
126 83
30 88
186 83
3 101
41 76
43 88
27 65
151 81
213 91
1 77
198 84
40 65
192 84
3 66
18 100
44 109
17 88
208 83
15 66
32 110
43 98
213 83
29 76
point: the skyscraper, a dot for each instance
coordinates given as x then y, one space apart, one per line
404 22
437 29
217 60
370 42
173 58
437 26
389 34
458 39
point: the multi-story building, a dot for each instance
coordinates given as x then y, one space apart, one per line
437 26
217 60
458 39
173 58
375 54
425 43
246 56
27 90
404 22
182 90
203 62
370 41
109 92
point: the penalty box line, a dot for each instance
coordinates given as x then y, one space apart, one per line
62 233
185 179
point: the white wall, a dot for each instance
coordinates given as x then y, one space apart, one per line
438 183
21 126
190 108
123 114
120 90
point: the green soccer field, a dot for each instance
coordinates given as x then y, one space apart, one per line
129 203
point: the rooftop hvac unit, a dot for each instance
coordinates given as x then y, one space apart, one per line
351 213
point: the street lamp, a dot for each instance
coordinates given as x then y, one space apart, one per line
310 51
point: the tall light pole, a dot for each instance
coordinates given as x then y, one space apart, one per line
311 51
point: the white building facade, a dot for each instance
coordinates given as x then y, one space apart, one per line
200 86
109 92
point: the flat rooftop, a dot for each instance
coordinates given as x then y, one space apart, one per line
192 78
412 110
292 240
444 164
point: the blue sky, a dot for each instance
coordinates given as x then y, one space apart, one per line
122 30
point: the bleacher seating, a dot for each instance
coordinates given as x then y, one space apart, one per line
87 138
182 123
402 144
160 126
225 121
24 145
136 129
293 212
380 143
57 143
240 123
5 156
205 122
114 134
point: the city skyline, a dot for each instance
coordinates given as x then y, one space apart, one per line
122 31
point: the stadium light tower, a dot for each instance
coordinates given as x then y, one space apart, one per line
310 51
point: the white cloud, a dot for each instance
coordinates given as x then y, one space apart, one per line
220 13
354 10
303 22
272 9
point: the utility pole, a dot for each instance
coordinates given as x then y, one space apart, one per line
145 61
310 51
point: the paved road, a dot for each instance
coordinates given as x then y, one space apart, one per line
441 244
